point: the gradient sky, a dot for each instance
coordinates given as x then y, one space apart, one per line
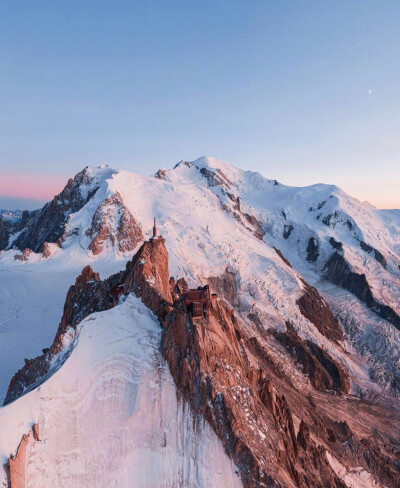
301 91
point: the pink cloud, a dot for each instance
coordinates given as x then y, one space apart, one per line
32 186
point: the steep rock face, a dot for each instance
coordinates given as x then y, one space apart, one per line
315 309
263 420
4 233
113 224
225 286
312 250
276 427
9 227
322 370
47 224
205 362
377 254
339 272
89 294
17 464
146 275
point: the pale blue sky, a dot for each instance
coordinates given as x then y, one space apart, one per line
281 87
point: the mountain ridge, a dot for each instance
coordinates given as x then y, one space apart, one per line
309 297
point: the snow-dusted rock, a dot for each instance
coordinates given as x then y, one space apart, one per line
114 226
282 372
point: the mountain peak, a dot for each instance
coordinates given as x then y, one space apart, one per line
306 307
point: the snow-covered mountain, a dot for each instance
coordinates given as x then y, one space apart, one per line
291 380
11 215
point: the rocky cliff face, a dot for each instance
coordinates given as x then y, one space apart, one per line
324 373
269 367
315 309
146 275
339 272
277 433
111 226
5 231
277 402
48 223
11 226
89 294
16 467
377 254
114 225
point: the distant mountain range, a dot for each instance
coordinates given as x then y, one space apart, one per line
11 215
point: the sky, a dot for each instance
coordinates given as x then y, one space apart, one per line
302 91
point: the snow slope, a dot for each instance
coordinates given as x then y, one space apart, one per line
32 296
31 303
110 416
195 208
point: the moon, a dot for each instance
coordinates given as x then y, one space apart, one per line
369 91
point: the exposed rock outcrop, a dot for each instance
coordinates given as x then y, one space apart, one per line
49 249
377 254
4 233
287 230
89 294
16 468
160 174
17 464
336 244
312 250
317 311
24 256
47 224
206 364
114 225
216 177
146 275
276 429
226 286
279 253
266 424
338 271
322 370
9 227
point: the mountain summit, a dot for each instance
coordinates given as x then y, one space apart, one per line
287 376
